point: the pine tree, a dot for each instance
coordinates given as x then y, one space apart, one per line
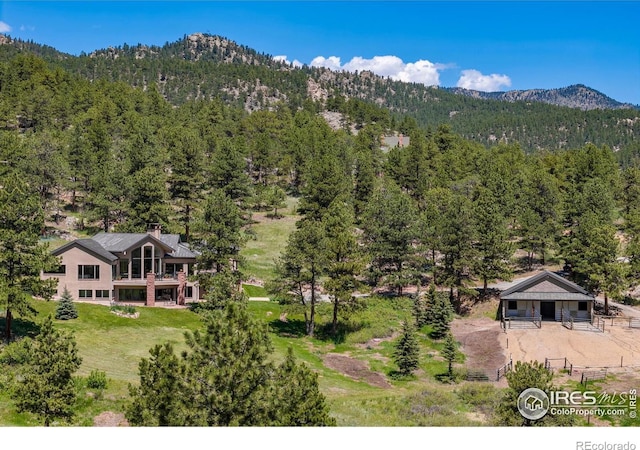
297 399
66 309
225 378
441 316
46 386
157 400
407 350
22 257
449 352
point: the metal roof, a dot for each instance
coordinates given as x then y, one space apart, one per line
121 242
104 245
547 296
88 245
542 276
183 251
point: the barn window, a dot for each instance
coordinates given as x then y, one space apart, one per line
512 304
582 306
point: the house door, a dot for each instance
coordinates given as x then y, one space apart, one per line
548 310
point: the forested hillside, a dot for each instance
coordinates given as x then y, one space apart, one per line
204 67
444 209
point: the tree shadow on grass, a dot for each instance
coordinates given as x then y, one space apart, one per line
325 332
20 328
290 328
298 328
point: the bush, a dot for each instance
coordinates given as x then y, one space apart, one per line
97 379
126 309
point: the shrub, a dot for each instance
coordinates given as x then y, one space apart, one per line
97 379
126 309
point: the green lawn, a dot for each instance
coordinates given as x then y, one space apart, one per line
116 345
268 241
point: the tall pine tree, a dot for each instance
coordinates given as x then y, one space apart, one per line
46 385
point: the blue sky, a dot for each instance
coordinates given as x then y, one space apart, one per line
499 45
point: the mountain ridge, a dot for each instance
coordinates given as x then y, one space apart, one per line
207 47
210 67
572 96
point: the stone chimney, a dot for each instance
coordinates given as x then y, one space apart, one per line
182 286
154 229
151 289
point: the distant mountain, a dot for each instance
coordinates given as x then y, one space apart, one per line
575 96
206 67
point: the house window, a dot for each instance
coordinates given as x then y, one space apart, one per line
102 293
132 294
582 306
172 269
59 270
513 304
124 268
136 263
188 292
88 272
85 293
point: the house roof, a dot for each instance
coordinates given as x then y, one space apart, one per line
122 242
104 245
90 246
546 286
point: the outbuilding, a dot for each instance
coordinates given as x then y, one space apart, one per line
547 296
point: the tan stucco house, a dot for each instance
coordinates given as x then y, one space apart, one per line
128 267
547 296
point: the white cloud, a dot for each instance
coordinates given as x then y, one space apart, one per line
421 71
332 62
284 59
472 79
4 28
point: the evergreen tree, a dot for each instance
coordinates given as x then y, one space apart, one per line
225 378
407 350
344 263
217 236
158 400
539 215
22 257
186 178
46 385
275 198
441 317
389 233
66 309
494 249
300 268
591 251
297 401
222 287
449 353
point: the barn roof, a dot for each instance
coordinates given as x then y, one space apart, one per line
546 286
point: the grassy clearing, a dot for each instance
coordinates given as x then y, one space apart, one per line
268 240
116 344
254 291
